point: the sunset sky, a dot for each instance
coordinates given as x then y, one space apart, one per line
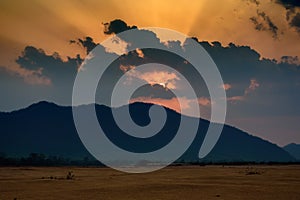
262 94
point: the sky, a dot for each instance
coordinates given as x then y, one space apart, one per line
255 44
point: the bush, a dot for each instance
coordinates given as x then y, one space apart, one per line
70 175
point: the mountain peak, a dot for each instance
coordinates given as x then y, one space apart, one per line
292 144
43 103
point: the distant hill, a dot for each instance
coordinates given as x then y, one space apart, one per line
293 149
49 129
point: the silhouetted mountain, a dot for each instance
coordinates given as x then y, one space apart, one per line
293 149
49 129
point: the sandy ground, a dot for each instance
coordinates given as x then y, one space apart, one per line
189 182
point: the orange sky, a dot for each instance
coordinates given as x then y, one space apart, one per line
51 24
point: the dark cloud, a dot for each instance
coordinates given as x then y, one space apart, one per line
72 41
295 22
50 65
259 88
87 43
45 77
238 66
289 13
116 26
289 3
290 59
258 25
292 12
264 23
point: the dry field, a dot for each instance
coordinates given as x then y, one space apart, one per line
189 182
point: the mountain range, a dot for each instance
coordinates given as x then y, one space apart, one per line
293 149
49 129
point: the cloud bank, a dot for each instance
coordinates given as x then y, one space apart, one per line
256 87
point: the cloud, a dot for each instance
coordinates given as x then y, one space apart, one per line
226 86
251 88
255 86
289 3
258 25
264 23
116 26
289 13
87 43
295 22
52 67
292 12
163 78
243 70
238 65
125 68
38 68
116 45
204 101
33 77
236 98
290 60
139 53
